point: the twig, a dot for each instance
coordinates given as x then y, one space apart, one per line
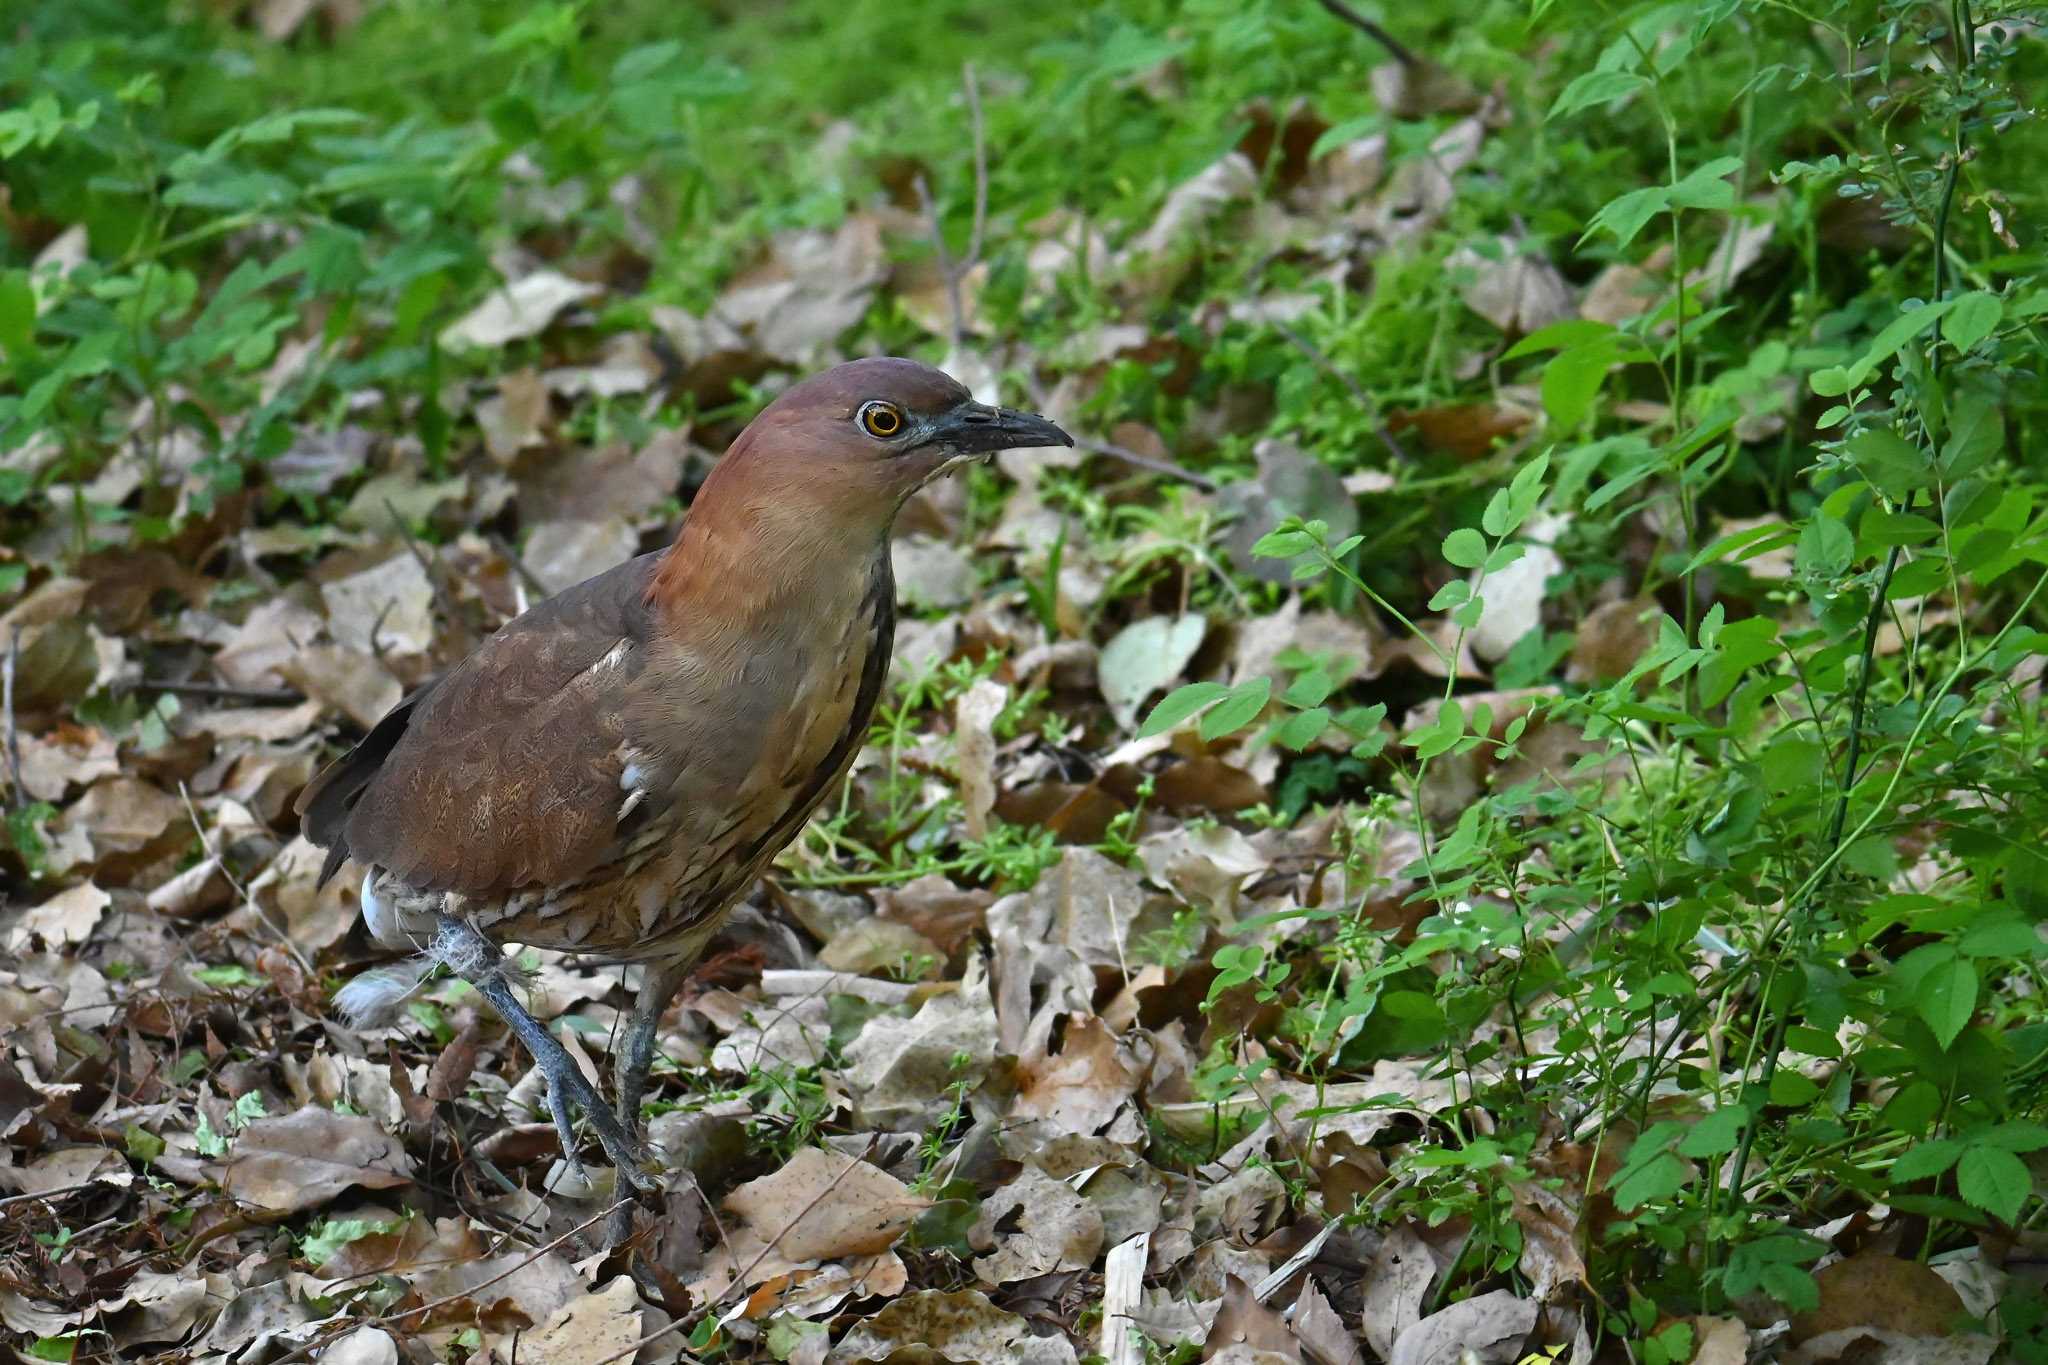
429 567
1371 30
221 691
1351 386
954 272
16 796
1129 456
974 236
526 575
214 851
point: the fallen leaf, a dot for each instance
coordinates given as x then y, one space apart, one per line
1034 1225
1243 1323
1394 1285
562 554
1510 286
974 741
1144 657
70 916
961 1326
588 1330
302 1160
1488 1328
822 1205
518 309
1885 1292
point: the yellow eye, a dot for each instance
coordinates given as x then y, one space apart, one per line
881 419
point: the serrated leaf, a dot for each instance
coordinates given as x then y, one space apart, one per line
1924 1160
1947 998
1994 1180
1718 1132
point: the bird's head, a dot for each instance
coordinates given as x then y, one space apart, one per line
848 446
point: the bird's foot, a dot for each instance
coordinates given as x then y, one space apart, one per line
568 1086
480 962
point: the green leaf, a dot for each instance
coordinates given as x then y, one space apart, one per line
1886 344
1465 548
1975 316
1947 998
1572 380
1718 1132
1893 464
2017 1135
1283 544
1559 336
1596 87
1708 187
1925 1160
17 316
1660 1177
1237 710
1993 1180
1626 215
1177 705
1299 731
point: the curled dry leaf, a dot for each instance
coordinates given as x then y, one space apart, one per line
302 1160
974 718
1511 287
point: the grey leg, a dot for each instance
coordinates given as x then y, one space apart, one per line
658 986
479 961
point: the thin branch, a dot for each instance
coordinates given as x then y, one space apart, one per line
1371 30
430 568
221 691
17 797
974 237
220 860
1129 456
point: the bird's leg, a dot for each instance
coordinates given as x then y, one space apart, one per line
480 962
659 983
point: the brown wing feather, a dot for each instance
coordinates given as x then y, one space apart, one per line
506 774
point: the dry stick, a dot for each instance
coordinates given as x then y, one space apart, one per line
953 272
17 798
1129 456
220 860
221 691
1372 30
428 566
740 1278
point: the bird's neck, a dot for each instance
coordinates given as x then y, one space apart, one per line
747 567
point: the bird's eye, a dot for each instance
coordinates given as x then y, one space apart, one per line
881 419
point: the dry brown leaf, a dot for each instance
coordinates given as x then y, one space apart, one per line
1719 1341
562 554
1246 1329
824 1205
70 916
974 741
961 1326
1610 639
344 680
1887 1292
1395 1284
516 310
1321 1331
1490 1327
899 1069
1083 1086
588 1330
1511 287
1033 1226
302 1160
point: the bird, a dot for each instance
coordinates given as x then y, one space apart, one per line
611 771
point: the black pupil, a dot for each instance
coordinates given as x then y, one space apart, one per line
882 420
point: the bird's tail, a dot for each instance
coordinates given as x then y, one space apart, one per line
373 999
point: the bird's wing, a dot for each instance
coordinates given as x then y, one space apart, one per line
506 772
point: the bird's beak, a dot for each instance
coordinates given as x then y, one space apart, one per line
978 429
